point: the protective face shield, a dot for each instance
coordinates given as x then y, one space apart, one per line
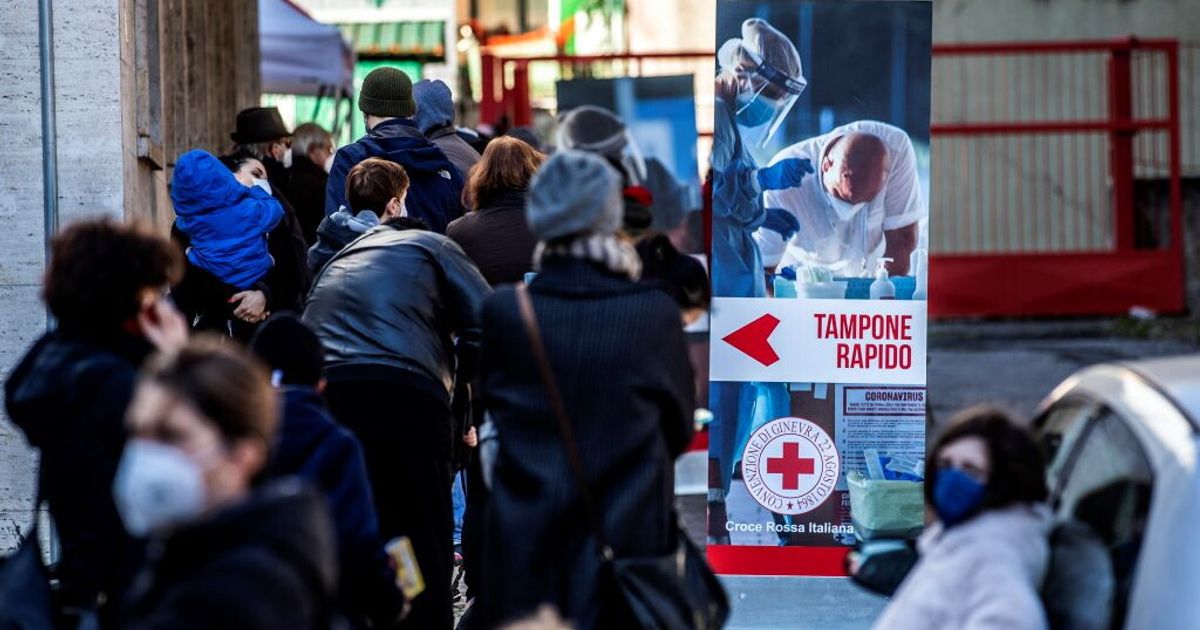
156 487
597 130
769 77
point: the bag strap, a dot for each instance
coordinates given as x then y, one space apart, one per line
553 394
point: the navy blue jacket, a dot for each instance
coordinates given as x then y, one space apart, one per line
435 185
313 447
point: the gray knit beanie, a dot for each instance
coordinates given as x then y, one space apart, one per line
574 193
387 92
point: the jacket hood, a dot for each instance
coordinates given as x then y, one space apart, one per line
305 428
398 140
342 227
202 184
1020 530
56 371
285 516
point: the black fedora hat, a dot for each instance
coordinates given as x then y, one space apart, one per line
259 124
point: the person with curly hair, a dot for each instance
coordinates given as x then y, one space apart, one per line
106 289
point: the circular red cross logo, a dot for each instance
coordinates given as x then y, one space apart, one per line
790 466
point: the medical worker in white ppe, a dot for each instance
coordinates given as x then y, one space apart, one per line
864 204
759 81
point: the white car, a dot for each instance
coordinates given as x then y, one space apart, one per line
1121 442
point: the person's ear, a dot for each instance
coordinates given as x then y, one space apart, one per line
249 456
321 384
826 164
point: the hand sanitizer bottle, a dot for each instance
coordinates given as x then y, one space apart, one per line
882 288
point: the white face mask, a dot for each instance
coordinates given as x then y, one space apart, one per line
844 209
287 158
263 184
157 487
329 163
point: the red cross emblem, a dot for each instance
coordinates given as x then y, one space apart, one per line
791 465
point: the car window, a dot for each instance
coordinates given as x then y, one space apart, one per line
1107 485
1058 430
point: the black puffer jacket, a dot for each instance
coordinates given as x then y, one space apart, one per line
265 563
69 397
390 304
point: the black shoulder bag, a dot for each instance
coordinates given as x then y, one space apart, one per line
673 591
25 598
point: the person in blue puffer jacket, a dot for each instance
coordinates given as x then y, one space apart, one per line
386 101
225 220
222 219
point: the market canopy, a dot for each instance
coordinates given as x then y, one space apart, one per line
301 55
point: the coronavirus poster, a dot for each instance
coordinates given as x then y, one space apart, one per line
820 177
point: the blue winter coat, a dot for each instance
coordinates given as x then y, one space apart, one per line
435 186
226 222
313 447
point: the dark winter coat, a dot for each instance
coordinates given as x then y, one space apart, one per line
69 397
399 305
265 563
620 357
435 185
226 222
306 191
497 238
290 278
462 155
337 231
313 447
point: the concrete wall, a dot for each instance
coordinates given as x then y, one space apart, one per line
208 55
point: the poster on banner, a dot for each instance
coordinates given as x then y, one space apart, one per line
820 179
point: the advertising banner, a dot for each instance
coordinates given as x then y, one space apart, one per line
820 178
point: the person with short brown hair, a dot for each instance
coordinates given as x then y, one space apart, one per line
106 287
387 105
232 550
495 234
376 190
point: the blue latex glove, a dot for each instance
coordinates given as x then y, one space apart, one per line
782 221
784 174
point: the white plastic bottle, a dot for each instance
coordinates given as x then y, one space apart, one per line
882 288
920 268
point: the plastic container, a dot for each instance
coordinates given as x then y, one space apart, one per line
835 290
885 508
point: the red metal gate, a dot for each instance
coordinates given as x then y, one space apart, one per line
1056 179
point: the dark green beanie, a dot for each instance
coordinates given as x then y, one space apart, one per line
387 93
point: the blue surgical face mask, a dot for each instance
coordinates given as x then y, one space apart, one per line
957 496
753 110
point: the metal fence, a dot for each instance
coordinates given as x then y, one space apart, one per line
1056 178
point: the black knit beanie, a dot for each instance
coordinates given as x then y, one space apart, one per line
387 92
291 349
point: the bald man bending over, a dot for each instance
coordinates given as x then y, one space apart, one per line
865 205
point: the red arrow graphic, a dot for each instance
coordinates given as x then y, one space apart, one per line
753 339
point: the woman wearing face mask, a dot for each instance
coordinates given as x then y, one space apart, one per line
983 559
225 552
222 222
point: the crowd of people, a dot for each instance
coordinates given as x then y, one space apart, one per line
340 356
268 419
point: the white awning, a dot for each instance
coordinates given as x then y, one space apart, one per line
301 55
